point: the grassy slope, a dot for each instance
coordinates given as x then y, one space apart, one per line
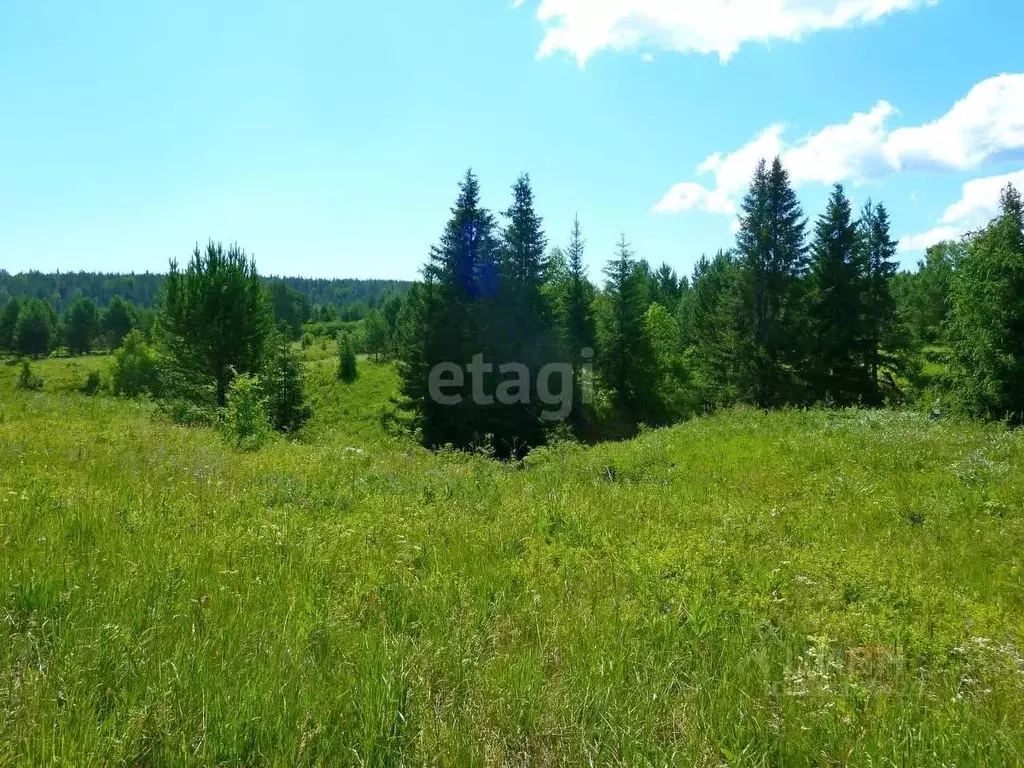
789 589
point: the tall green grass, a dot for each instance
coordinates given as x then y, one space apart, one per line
803 588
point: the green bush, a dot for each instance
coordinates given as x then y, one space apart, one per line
93 383
135 368
247 419
28 379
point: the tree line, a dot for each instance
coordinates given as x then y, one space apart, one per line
796 313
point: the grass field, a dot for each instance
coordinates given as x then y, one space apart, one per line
804 588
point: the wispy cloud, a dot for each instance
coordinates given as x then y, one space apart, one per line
585 27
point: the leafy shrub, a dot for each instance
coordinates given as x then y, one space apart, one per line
347 370
28 379
93 383
247 420
135 367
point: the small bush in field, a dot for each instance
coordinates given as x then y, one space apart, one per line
93 383
247 418
28 379
135 367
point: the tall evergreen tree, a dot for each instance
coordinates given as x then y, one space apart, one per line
81 326
577 319
215 317
454 320
987 318
347 369
837 368
772 253
879 317
626 360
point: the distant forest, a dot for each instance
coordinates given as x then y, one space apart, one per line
350 297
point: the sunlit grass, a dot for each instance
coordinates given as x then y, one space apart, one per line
803 588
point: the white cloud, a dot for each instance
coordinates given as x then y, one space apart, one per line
584 27
986 125
978 204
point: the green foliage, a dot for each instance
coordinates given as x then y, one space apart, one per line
347 370
8 322
35 330
93 383
28 379
289 307
246 418
986 329
81 326
135 370
376 332
284 386
117 321
838 371
215 317
307 340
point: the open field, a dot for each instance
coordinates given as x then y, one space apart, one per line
798 588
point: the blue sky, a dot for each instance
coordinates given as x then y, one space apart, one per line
327 138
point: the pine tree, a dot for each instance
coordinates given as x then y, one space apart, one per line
772 253
81 326
117 321
347 369
376 331
668 287
987 318
35 330
215 318
837 368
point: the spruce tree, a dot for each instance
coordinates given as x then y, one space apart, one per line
284 383
772 253
626 360
347 369
452 318
879 319
215 318
837 366
986 328
577 319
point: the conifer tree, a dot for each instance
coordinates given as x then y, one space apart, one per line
837 367
772 253
8 321
376 331
879 319
987 318
117 321
626 360
284 383
215 318
35 330
347 369
81 326
578 318
453 315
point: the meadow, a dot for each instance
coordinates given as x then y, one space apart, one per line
800 588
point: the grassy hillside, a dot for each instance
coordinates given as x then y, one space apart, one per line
805 588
